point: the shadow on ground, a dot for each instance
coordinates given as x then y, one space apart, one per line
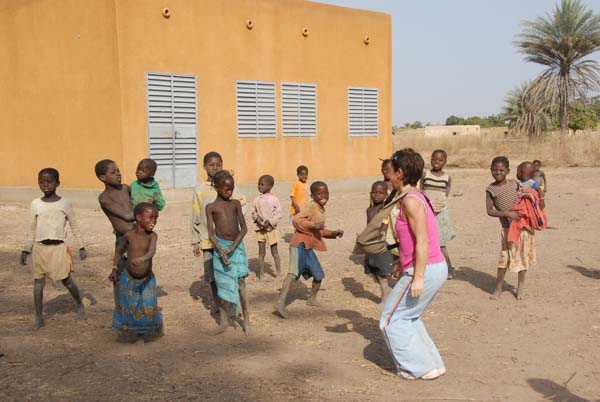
358 290
555 392
481 280
587 272
376 351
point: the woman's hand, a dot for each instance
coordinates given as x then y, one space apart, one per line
417 287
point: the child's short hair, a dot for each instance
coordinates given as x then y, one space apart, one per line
142 206
500 159
211 154
440 151
316 185
151 163
385 162
51 171
221 176
379 183
411 163
102 167
539 162
301 168
267 178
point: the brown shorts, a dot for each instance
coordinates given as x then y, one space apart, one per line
51 261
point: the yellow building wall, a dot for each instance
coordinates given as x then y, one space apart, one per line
59 86
209 38
72 80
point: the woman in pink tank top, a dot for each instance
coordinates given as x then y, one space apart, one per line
421 274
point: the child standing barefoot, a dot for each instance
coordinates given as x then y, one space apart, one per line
436 185
539 176
500 196
46 241
310 231
379 266
266 214
226 229
202 246
299 192
136 310
115 202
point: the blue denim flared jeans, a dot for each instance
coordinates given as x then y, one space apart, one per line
412 348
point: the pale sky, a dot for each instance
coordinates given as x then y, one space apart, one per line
456 56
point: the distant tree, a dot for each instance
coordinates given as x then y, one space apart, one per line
595 104
582 116
476 121
496 120
416 124
560 41
406 125
526 112
455 121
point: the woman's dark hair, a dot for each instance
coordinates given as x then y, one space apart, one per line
411 163
52 172
500 159
211 154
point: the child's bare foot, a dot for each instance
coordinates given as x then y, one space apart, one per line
81 314
246 326
281 310
520 294
221 329
496 294
37 324
312 302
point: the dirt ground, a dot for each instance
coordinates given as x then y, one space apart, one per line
545 348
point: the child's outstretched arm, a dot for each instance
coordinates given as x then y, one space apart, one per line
491 211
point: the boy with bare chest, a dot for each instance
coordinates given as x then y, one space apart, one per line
136 308
226 229
115 202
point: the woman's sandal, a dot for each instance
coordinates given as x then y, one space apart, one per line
434 374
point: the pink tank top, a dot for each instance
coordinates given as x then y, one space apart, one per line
406 238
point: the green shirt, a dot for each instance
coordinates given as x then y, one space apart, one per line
141 192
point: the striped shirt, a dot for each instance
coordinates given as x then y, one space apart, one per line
504 197
435 187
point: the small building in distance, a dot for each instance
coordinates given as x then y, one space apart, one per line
270 84
448 131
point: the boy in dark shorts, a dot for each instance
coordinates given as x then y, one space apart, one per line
310 231
136 309
226 229
379 266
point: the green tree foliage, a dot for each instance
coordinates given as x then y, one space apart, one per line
526 112
494 120
582 116
416 124
560 41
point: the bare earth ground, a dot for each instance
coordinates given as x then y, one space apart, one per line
544 348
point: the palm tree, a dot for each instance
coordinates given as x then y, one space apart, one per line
527 112
560 41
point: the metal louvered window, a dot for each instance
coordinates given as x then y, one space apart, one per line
363 111
299 109
171 102
256 109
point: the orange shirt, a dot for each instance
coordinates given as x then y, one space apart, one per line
300 192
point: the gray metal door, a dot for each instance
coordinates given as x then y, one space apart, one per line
172 137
